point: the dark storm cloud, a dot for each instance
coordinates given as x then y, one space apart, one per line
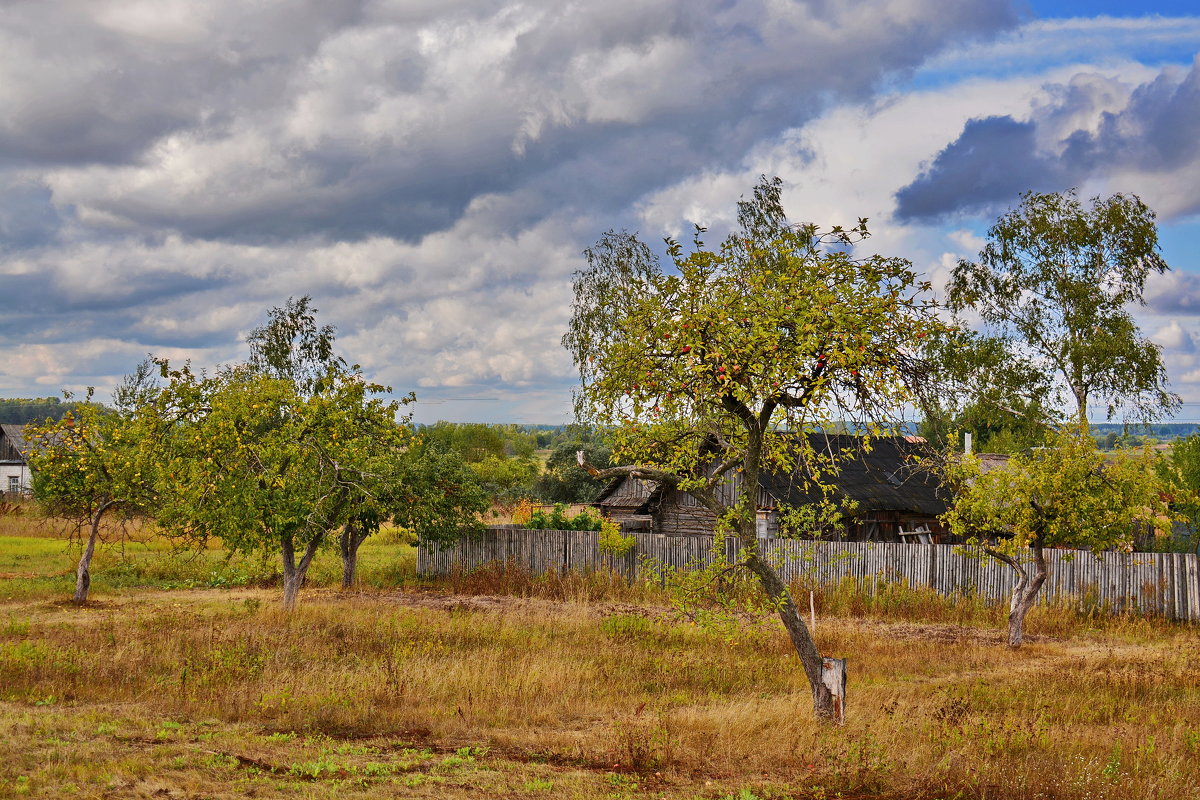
38 307
99 81
1154 134
990 164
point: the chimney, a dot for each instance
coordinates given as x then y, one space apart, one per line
966 442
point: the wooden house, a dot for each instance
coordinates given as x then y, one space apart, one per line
895 499
14 467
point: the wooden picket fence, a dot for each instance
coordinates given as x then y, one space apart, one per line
1162 584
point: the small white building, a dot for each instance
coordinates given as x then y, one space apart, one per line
14 467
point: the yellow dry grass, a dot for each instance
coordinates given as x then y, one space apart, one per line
426 693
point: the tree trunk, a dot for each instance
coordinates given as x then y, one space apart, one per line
824 706
293 573
1025 593
1081 400
348 543
83 574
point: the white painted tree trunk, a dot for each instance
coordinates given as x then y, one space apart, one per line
833 676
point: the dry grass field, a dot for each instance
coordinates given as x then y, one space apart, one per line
507 685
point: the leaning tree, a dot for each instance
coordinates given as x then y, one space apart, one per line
706 371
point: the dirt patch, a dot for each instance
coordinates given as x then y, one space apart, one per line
509 604
480 602
946 634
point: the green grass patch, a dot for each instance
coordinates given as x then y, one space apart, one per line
44 568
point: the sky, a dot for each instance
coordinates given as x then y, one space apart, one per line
430 171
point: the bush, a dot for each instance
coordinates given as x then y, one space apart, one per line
557 520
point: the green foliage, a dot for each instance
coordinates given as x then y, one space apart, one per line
1056 277
91 461
507 480
992 391
1180 471
429 490
564 481
612 541
473 442
476 441
292 347
1065 494
276 454
250 459
558 520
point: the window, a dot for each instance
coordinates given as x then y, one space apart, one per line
14 484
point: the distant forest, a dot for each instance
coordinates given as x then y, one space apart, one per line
22 410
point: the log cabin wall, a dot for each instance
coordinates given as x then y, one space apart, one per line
680 514
623 502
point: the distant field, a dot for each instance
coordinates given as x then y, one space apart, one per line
508 685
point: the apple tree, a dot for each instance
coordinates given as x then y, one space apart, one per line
294 448
91 464
1063 495
250 460
418 485
706 370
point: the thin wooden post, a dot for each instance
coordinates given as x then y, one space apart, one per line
833 675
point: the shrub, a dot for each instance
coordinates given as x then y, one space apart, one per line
557 520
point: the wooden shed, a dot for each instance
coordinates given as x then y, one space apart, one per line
895 499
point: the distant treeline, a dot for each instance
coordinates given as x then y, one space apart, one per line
1161 431
21 410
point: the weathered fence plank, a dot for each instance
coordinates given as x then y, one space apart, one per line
1166 584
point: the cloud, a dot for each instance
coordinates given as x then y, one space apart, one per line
350 120
1172 336
1039 45
428 171
1092 131
991 163
1173 293
28 216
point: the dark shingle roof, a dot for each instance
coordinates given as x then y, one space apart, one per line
888 478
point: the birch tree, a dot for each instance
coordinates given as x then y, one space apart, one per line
1058 278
